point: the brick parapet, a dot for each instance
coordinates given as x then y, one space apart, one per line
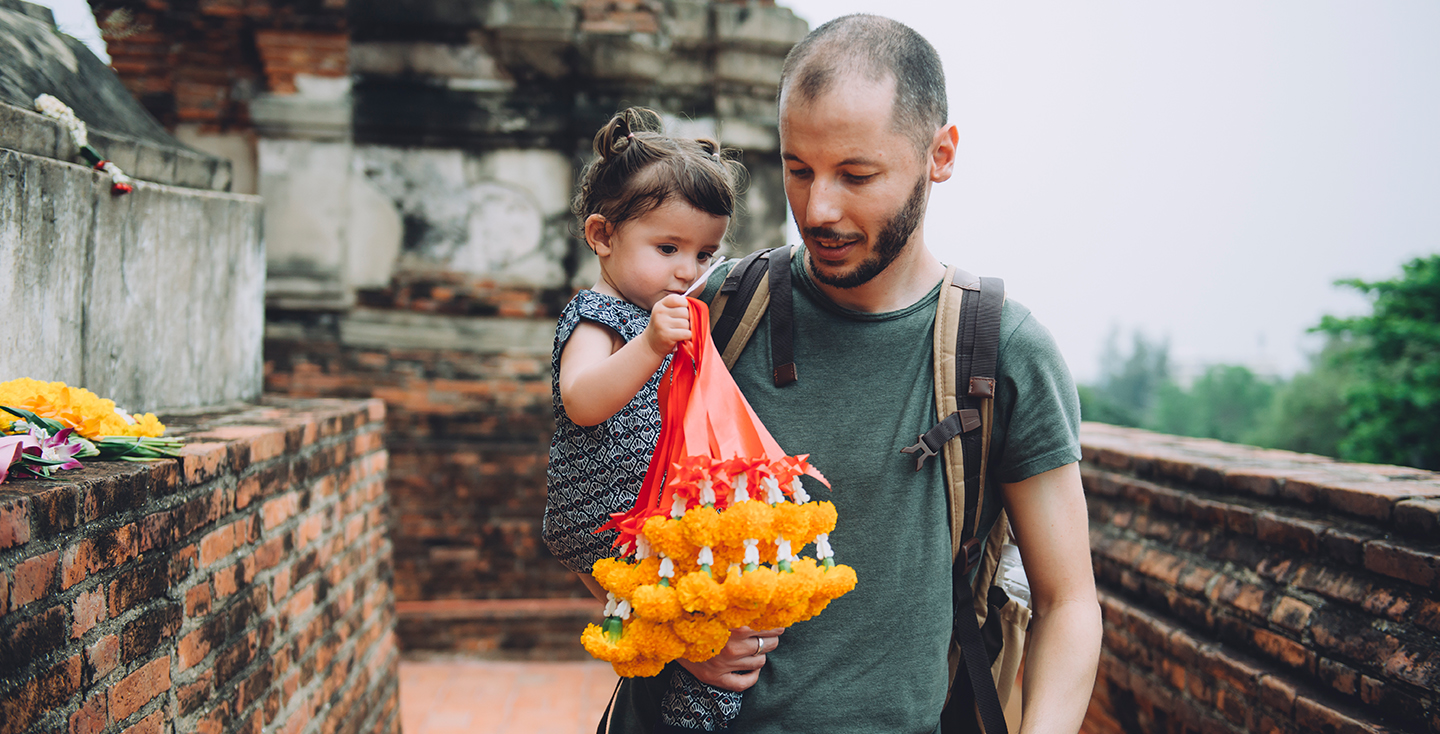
245 586
1257 590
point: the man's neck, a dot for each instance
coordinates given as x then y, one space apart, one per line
908 279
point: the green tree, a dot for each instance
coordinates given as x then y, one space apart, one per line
1226 402
1126 391
1392 408
1305 414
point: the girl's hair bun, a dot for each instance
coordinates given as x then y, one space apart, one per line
619 133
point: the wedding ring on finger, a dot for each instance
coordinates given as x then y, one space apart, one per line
759 645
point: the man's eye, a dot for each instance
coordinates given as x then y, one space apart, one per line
855 178
669 249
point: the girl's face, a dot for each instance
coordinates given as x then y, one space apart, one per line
649 257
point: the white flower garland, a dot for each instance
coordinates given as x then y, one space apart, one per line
60 112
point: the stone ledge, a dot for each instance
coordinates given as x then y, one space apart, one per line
30 132
1366 492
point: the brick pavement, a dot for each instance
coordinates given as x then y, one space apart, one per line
494 697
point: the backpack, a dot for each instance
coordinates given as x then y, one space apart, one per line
989 640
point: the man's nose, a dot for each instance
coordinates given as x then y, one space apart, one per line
824 204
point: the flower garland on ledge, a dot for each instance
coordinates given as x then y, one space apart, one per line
48 426
60 112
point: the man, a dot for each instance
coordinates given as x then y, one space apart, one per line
864 135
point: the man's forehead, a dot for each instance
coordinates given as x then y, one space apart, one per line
857 113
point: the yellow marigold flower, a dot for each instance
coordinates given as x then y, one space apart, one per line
748 593
654 641
667 537
791 521
656 603
704 637
748 519
702 526
699 592
621 578
639 668
598 644
822 518
791 600
834 583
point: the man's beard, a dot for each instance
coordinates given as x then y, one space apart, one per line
888 245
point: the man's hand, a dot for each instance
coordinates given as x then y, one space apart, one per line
669 324
738 664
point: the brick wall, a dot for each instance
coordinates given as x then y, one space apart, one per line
245 587
200 62
1261 591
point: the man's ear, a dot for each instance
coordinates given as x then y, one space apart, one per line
597 234
942 153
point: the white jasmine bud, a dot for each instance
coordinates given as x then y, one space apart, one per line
798 493
773 495
707 492
705 557
822 546
622 610
740 493
677 506
782 549
752 552
610 604
667 567
642 548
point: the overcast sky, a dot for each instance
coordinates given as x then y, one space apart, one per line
1200 171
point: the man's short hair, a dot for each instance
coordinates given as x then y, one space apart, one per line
877 48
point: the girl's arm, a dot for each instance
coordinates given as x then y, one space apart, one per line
600 373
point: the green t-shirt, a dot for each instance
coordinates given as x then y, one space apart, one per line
875 659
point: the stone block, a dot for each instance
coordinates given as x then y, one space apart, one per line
754 68
28 132
772 28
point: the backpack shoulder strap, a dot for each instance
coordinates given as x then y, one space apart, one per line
967 319
758 280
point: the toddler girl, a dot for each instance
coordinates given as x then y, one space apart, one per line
654 210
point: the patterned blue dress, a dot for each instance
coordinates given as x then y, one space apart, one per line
597 470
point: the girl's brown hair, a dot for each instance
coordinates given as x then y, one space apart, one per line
637 169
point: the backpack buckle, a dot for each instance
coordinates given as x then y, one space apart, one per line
921 448
970 549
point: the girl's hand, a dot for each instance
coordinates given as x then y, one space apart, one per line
669 324
737 666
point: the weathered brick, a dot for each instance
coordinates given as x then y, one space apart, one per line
139 688
217 544
191 696
152 724
1402 562
1293 654
91 717
36 695
204 461
33 638
87 610
14 522
103 655
33 579
149 580
142 635
1291 613
1417 517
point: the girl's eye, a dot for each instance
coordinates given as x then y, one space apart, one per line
669 249
799 172
706 256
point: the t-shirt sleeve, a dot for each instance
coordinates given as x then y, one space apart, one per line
1037 410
